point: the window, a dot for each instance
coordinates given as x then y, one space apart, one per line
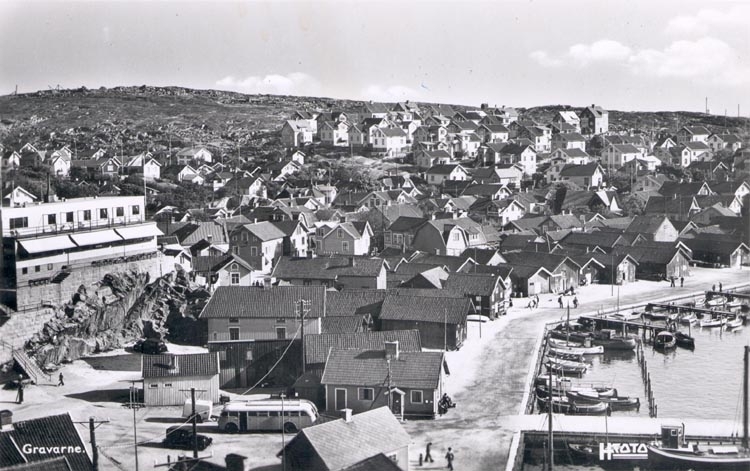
24 271
37 268
234 333
249 355
234 320
153 386
416 397
253 251
235 278
102 213
455 236
234 267
167 385
134 210
222 354
87 215
17 223
120 212
52 219
69 216
339 233
281 320
366 394
345 246
244 237
49 266
280 333
235 250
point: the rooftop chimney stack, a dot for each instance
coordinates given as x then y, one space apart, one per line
346 415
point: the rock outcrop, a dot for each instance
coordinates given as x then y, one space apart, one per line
124 307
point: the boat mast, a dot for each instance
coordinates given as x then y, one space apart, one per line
744 403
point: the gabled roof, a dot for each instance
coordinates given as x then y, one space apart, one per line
587 170
537 259
265 230
696 146
647 224
425 309
327 268
318 346
573 152
699 130
452 262
194 232
444 169
355 367
379 462
626 148
254 302
367 434
472 284
405 224
169 366
341 324
52 431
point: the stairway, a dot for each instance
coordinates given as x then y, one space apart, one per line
30 367
60 277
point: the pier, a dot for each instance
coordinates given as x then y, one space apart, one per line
646 376
687 309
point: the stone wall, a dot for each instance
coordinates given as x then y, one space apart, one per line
20 328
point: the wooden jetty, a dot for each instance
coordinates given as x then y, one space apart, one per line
688 309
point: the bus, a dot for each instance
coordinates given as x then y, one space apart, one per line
289 415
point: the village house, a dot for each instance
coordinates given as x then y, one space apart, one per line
335 133
568 117
108 167
659 259
343 238
439 316
333 272
510 175
390 142
493 133
617 267
438 174
262 241
400 234
501 211
492 191
719 142
585 176
449 236
617 155
144 164
18 197
594 120
692 134
510 153
297 133
541 137
571 140
194 154
528 280
166 377
488 292
564 271
409 383
685 154
375 440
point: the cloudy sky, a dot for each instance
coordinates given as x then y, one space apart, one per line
628 55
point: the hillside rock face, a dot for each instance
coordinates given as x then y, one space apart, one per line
124 307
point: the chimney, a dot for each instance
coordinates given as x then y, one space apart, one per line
432 216
235 462
391 350
346 414
210 238
267 282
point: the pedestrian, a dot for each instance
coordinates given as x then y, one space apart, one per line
510 302
531 304
449 457
536 300
713 288
420 459
671 281
575 301
682 281
427 455
559 301
60 381
720 287
19 396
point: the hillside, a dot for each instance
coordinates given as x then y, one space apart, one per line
134 119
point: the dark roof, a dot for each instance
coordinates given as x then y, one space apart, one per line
50 431
317 346
209 263
473 284
672 188
592 239
265 230
360 367
253 302
452 262
579 170
659 253
442 169
481 256
536 259
367 434
53 464
168 366
379 462
352 302
328 268
405 223
425 309
341 324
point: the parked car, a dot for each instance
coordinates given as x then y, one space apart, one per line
150 346
181 436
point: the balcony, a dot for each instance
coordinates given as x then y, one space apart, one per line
70 228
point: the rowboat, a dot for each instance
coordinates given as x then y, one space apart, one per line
614 402
566 369
572 347
735 323
688 319
623 316
566 406
665 340
608 339
655 316
713 322
684 340
563 355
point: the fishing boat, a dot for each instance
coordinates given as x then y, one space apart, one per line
715 302
614 402
712 322
609 339
665 340
580 338
688 319
655 316
557 381
563 355
566 369
588 451
571 347
684 340
562 404
734 323
673 452
623 316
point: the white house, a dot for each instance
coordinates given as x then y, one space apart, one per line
389 141
185 156
167 377
297 133
438 174
617 154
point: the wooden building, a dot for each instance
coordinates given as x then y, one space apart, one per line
166 377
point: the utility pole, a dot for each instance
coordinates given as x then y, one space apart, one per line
134 406
302 308
93 425
194 419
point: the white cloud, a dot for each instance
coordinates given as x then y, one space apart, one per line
295 83
391 93
604 50
710 21
707 59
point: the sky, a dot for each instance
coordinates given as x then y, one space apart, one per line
624 55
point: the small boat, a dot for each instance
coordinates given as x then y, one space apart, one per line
734 323
565 369
614 402
580 338
584 451
567 362
715 302
563 355
713 322
684 340
557 381
568 348
665 340
566 406
608 339
655 316
688 319
623 316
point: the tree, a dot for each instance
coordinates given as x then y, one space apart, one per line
632 205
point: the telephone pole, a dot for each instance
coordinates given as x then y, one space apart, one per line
194 419
134 406
302 308
93 425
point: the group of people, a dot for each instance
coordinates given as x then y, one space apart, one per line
560 301
428 456
672 281
533 302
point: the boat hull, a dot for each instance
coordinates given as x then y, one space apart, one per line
659 458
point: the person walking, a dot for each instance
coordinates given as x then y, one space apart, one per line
60 381
713 288
720 287
682 281
575 301
19 396
449 457
559 301
427 455
671 281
